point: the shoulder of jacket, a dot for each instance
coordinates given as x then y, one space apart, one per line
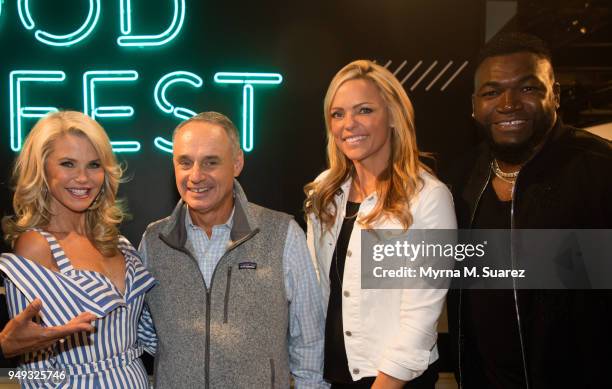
157 225
430 182
322 175
590 144
264 212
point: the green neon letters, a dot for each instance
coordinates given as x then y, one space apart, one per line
24 14
61 40
126 39
16 110
162 102
125 21
93 78
90 79
36 112
125 16
248 80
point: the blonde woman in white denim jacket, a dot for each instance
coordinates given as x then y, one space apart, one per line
389 334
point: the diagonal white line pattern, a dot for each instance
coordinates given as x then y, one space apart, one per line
400 67
438 76
423 75
388 63
447 83
411 71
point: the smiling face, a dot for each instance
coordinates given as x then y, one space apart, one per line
359 124
74 175
515 101
205 165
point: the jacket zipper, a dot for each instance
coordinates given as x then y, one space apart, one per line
207 339
272 373
513 263
208 289
514 292
513 259
212 280
227 292
472 216
207 342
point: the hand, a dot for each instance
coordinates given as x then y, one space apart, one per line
21 335
385 381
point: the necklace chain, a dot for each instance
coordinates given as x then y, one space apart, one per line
510 178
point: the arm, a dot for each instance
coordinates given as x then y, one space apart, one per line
22 335
142 250
146 331
41 356
408 354
385 381
310 237
306 320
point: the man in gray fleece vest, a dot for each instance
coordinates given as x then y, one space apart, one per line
238 303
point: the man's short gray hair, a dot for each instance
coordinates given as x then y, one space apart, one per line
218 119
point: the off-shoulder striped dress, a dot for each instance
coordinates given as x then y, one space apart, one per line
107 358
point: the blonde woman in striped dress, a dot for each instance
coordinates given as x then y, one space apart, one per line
69 254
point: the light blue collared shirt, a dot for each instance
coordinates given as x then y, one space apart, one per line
208 251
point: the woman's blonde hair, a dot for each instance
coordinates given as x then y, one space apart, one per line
31 201
400 181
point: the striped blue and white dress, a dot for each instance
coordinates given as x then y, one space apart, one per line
107 358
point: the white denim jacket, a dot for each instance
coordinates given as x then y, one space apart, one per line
388 330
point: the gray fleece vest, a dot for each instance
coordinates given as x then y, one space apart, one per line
233 335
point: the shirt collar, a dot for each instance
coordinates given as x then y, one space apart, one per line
229 223
346 187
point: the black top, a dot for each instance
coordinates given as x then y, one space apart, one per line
491 330
336 364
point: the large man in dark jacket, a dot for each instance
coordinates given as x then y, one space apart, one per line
532 173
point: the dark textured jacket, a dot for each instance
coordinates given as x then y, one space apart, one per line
565 335
233 333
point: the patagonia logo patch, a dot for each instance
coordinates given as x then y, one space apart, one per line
247 265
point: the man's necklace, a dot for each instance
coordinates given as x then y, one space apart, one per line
510 178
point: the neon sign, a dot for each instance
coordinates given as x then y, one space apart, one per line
17 111
96 78
162 102
149 40
90 79
60 40
248 80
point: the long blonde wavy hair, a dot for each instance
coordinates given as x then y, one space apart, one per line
400 181
31 200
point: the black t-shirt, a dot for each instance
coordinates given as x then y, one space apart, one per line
336 364
492 356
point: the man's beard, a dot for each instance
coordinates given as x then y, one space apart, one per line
518 153
515 154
